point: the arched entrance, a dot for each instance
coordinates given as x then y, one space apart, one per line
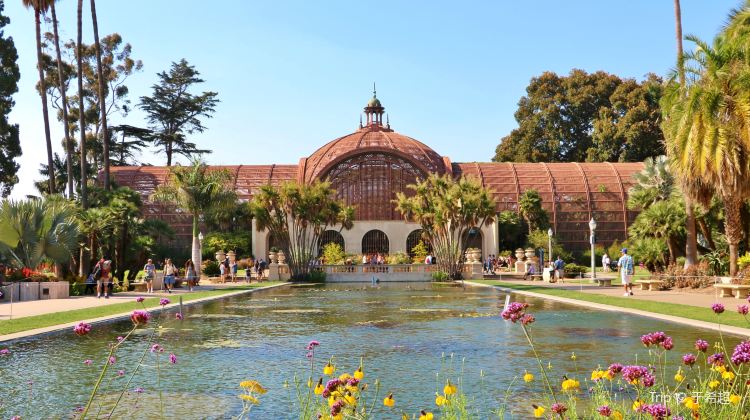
472 238
375 241
271 242
413 239
330 236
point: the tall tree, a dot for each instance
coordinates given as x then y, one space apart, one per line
125 151
40 7
174 112
531 210
64 100
585 116
196 190
10 145
81 117
102 104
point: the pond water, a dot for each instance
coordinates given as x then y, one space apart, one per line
409 335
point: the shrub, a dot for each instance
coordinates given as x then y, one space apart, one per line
316 277
650 252
216 241
440 276
399 258
333 254
717 261
211 268
744 261
245 263
572 270
420 252
694 277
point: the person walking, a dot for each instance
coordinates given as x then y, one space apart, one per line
150 273
222 272
169 272
606 261
234 267
559 267
625 265
190 275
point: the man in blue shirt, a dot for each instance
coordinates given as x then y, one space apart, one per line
559 266
625 265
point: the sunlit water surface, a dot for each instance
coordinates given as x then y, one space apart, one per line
410 336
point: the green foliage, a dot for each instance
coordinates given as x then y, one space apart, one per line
37 230
10 145
399 258
653 184
226 241
440 276
512 230
211 268
539 239
333 253
315 277
447 209
572 270
596 117
598 253
717 261
174 112
649 251
531 210
744 261
663 220
420 252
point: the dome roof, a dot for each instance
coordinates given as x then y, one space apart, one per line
368 139
374 102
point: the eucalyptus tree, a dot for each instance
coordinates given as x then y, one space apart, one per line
64 101
10 145
196 189
296 215
447 209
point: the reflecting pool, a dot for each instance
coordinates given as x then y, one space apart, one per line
410 336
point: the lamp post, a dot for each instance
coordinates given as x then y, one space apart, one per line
592 226
549 235
199 263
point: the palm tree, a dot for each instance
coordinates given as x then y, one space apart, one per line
102 107
81 117
664 220
691 245
41 6
35 230
196 190
531 210
653 183
707 127
64 100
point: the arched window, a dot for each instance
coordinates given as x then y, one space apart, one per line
369 182
472 238
330 236
414 238
375 241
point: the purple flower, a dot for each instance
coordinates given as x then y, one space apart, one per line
514 311
558 408
178 316
701 345
312 344
140 299
4 352
742 309
112 360
604 411
336 407
309 355
688 359
657 339
120 338
632 373
163 301
716 359
138 390
648 380
667 343
717 308
741 353
353 381
172 358
140 317
87 362
120 372
657 411
82 329
527 319
156 348
615 368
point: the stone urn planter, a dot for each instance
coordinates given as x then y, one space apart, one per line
272 257
220 256
232 257
467 256
529 252
519 254
476 255
281 256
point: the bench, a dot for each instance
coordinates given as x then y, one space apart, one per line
649 284
603 282
740 291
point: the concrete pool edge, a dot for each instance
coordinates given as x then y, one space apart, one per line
724 329
7 338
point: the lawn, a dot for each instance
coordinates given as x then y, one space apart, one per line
48 320
674 309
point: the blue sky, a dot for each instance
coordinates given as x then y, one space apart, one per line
293 75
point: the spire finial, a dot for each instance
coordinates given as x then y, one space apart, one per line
360 120
374 91
387 120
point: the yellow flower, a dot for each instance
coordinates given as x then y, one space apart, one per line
349 398
253 386
441 400
449 389
573 357
713 384
637 404
690 403
570 385
735 399
319 387
596 375
389 401
616 415
528 377
720 369
344 377
328 369
728 375
425 415
331 401
538 410
608 374
248 398
358 374
679 377
338 416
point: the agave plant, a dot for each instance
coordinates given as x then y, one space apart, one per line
36 230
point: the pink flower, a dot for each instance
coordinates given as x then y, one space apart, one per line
140 317
701 345
527 319
688 359
120 372
717 308
87 362
120 338
163 301
112 360
172 358
4 352
140 299
741 353
604 411
138 390
82 329
558 408
742 309
716 359
178 316
156 348
514 311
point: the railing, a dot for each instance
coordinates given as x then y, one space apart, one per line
376 268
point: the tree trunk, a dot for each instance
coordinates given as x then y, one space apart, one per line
733 228
706 231
672 251
43 94
169 153
678 34
102 104
64 100
81 117
691 245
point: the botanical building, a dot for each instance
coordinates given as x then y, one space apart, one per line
369 166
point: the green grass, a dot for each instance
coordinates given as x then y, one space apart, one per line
56 318
698 313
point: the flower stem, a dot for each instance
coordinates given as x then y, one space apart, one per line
541 367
